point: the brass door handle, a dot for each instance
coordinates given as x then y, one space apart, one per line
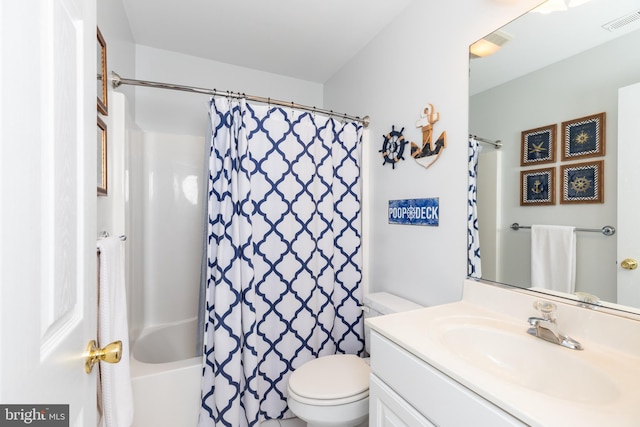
111 353
629 264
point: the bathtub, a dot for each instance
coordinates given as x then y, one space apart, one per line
165 375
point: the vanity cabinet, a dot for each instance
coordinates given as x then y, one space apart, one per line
388 409
406 391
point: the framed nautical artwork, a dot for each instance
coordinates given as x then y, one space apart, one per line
537 187
583 182
101 66
538 145
584 137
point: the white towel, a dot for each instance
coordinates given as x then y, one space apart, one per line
553 257
116 392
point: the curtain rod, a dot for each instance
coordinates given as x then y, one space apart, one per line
496 143
116 81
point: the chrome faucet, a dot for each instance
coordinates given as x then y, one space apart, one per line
545 327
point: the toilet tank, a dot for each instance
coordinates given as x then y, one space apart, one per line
381 303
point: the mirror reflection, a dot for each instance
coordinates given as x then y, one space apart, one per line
546 71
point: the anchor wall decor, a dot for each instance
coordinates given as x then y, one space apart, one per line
427 154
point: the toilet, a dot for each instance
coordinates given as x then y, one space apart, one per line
333 391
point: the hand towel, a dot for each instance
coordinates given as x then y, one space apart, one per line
116 391
553 257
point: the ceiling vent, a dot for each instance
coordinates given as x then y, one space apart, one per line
489 44
498 37
617 24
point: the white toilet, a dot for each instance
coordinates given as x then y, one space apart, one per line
333 391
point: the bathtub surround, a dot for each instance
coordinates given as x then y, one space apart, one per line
202 289
284 254
166 374
171 223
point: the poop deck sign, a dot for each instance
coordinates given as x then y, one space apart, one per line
414 211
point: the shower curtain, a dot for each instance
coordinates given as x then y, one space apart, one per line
283 255
473 238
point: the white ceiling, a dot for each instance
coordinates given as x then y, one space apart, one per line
305 39
311 40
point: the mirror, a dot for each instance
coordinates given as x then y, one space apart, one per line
551 70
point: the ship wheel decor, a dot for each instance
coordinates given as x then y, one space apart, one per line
428 153
393 147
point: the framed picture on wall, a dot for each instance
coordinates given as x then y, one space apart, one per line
537 187
538 145
101 66
584 137
583 182
101 140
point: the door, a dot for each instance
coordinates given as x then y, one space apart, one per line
47 206
628 190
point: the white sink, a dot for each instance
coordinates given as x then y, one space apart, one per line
508 352
482 343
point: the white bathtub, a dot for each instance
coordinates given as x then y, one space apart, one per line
165 374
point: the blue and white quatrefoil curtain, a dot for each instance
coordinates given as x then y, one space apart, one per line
473 237
284 261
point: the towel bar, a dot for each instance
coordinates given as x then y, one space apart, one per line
607 230
104 235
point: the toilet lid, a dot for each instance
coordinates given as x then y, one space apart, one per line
332 377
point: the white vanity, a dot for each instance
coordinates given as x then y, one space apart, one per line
472 363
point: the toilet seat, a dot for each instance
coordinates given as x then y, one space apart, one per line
330 380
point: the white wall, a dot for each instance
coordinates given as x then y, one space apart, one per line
114 27
186 113
583 85
421 58
114 214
